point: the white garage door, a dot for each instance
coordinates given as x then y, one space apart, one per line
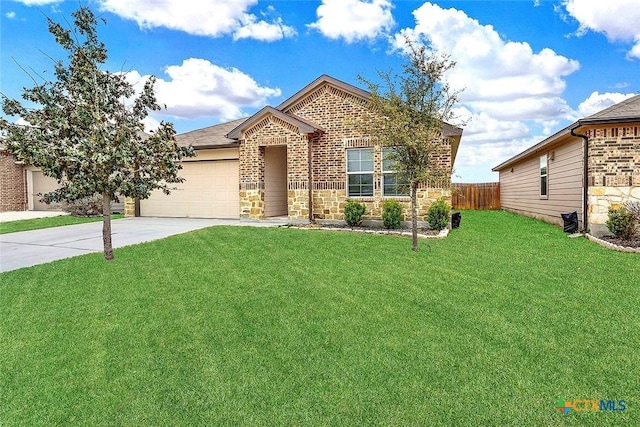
210 190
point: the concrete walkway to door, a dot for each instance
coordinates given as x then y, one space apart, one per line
28 248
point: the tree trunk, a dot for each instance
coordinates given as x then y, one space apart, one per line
106 227
414 216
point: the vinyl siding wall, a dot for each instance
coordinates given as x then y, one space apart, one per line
520 189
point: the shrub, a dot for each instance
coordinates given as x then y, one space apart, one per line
87 206
438 214
391 214
353 213
621 223
634 209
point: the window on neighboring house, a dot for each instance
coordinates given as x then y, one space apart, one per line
544 176
393 184
360 172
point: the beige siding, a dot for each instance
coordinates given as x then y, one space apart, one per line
275 181
520 185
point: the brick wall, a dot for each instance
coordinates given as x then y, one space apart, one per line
614 156
13 187
614 172
335 111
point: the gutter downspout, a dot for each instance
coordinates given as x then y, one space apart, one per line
310 180
585 178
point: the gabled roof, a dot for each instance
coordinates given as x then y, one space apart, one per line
210 137
304 126
323 79
626 111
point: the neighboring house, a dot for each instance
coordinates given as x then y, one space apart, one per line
12 184
300 160
22 186
587 167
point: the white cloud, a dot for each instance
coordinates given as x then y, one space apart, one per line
22 122
10 15
261 30
617 20
512 95
198 88
207 18
38 2
354 20
150 124
599 101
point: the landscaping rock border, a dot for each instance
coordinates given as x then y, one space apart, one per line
612 246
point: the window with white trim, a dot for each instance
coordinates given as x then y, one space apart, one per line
360 172
544 176
393 184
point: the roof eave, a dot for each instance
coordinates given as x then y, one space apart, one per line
233 144
597 121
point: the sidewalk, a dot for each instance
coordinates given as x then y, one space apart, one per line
17 216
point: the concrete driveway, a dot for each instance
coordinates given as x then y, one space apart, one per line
28 248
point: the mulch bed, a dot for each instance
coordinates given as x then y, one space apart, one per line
423 233
613 243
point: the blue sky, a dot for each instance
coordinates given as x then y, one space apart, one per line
528 67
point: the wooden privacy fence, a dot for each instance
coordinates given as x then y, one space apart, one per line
484 196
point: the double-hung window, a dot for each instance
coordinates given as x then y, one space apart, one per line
360 172
393 184
544 175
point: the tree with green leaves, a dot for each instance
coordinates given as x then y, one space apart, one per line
86 130
409 115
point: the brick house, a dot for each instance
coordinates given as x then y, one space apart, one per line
21 185
300 160
13 187
587 167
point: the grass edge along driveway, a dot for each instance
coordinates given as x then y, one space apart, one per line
48 222
243 326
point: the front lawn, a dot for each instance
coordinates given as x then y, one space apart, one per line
248 326
48 222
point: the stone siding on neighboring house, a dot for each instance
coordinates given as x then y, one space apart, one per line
614 171
13 187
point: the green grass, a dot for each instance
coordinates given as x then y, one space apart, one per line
55 221
246 326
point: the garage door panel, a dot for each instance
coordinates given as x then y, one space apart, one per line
210 190
43 184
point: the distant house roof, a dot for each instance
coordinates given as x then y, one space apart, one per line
627 111
210 137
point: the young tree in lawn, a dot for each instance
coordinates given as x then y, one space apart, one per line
87 131
410 112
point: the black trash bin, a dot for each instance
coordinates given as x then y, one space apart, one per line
455 220
570 222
